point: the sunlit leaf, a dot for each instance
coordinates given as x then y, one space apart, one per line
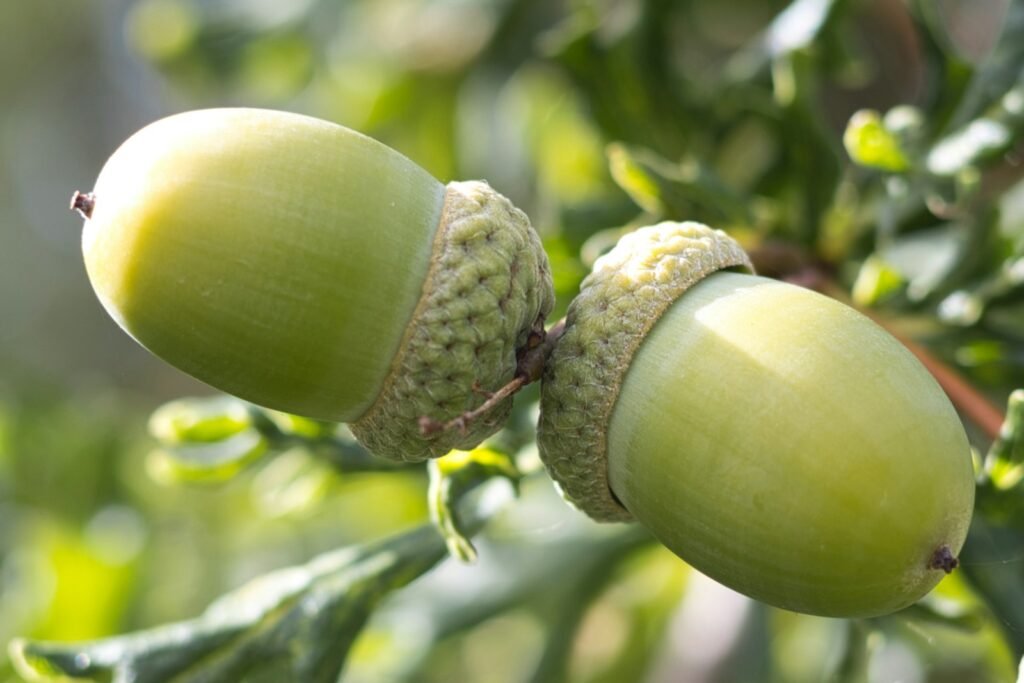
999 72
634 179
870 144
925 258
213 461
876 281
303 427
794 28
991 114
946 614
681 190
451 478
201 420
981 138
1004 464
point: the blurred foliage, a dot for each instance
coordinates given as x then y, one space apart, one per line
875 145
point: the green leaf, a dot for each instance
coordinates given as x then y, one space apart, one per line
982 139
926 258
675 191
796 27
1000 71
298 426
947 613
211 462
200 420
990 116
799 25
1004 463
634 179
213 439
203 440
328 441
645 592
869 143
451 479
876 281
294 624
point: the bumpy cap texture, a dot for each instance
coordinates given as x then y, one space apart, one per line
488 287
618 304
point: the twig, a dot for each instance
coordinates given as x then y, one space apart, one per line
529 368
429 426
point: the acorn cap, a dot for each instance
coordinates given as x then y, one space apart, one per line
619 302
488 289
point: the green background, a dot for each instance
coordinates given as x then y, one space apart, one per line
593 116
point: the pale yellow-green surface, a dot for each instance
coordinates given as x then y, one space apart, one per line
791 449
628 291
274 256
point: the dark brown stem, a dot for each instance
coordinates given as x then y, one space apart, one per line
430 426
83 203
529 368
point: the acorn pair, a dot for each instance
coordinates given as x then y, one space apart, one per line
775 439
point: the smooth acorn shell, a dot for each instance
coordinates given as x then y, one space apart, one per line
215 228
788 447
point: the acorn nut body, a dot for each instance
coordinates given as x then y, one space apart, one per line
775 439
307 268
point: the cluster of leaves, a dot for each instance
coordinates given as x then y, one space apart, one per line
867 148
300 623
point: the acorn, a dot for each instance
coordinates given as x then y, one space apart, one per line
307 268
775 439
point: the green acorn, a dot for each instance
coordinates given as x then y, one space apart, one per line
307 268
775 439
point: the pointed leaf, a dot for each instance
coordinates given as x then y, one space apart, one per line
293 624
453 477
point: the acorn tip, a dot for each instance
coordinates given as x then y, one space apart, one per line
944 559
83 203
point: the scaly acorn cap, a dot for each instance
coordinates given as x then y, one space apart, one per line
307 268
488 290
619 302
